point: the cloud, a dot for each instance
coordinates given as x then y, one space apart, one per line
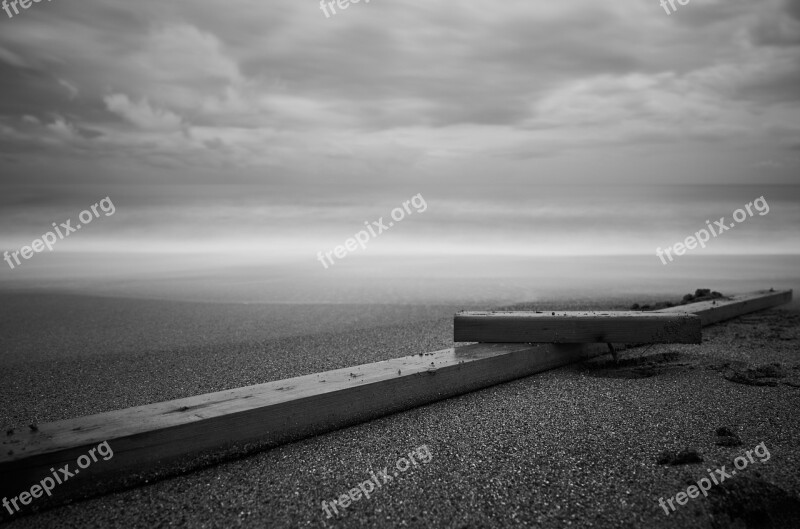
436 91
71 89
61 128
142 114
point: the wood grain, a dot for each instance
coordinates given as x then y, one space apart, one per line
172 436
576 327
724 309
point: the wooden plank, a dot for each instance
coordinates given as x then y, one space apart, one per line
576 327
724 309
168 437
157 440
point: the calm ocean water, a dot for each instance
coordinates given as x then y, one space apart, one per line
551 241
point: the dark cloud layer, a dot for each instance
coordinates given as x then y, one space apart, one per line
212 86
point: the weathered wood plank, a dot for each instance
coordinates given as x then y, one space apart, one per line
724 309
576 327
171 436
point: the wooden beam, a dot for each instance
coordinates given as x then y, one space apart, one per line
576 327
166 438
724 309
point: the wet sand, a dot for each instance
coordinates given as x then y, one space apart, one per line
577 446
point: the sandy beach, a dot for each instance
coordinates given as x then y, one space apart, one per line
573 447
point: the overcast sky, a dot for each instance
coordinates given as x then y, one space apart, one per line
267 117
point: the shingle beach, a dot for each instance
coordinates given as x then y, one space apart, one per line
573 447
